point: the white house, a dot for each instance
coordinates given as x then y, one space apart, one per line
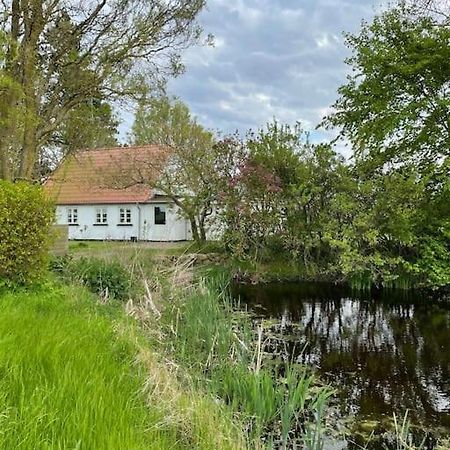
91 202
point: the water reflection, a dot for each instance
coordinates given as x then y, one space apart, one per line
387 351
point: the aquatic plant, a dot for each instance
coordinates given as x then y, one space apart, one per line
403 436
218 347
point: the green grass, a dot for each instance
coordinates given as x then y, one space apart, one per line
119 248
70 379
217 347
139 256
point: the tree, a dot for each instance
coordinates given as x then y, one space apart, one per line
255 199
287 198
278 197
438 10
60 55
395 107
395 110
190 176
92 124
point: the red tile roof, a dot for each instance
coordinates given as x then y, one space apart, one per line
106 175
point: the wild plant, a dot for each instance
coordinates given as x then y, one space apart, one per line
403 436
216 342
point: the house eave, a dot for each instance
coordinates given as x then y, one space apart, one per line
109 202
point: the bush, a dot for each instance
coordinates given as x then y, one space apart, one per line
108 279
25 219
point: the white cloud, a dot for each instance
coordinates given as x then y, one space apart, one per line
323 41
272 58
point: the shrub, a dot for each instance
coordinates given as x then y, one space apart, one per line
60 265
105 278
25 219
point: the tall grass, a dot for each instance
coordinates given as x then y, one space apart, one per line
67 380
404 439
72 376
217 347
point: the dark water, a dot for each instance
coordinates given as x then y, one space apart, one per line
386 352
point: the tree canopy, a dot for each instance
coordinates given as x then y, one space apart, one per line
189 178
57 56
395 107
395 111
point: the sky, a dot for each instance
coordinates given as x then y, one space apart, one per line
271 58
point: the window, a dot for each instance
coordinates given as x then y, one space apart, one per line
160 215
125 215
101 216
72 216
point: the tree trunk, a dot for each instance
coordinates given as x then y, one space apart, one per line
6 105
201 226
9 97
205 212
194 229
29 146
5 170
33 20
202 231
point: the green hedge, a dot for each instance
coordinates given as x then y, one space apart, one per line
25 220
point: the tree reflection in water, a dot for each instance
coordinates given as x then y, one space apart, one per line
387 351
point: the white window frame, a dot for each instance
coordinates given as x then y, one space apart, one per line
124 216
101 216
72 216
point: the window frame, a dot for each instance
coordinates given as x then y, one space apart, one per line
72 216
125 217
101 216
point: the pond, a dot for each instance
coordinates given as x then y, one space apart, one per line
385 351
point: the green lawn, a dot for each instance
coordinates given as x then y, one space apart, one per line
141 256
69 379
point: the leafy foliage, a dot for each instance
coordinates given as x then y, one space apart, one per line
25 220
278 196
395 107
395 111
108 279
303 201
91 125
59 57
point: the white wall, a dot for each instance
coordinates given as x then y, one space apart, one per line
142 225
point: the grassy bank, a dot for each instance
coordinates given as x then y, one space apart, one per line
77 375
147 255
279 404
186 370
190 321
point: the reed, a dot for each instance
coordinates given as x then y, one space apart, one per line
216 344
403 437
